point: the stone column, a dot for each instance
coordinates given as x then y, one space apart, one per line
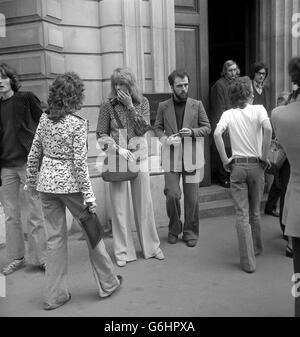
141 35
32 42
278 44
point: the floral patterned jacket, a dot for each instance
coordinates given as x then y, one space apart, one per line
61 150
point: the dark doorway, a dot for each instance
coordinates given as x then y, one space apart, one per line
232 34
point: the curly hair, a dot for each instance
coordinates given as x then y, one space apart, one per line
240 92
65 96
126 77
9 72
256 67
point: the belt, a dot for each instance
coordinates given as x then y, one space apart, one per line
246 160
57 158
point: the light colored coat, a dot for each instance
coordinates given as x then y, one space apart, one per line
286 121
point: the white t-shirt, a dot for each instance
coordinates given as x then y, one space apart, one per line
245 129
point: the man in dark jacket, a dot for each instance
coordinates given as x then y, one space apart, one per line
219 103
19 116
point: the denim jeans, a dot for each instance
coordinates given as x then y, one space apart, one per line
12 179
247 184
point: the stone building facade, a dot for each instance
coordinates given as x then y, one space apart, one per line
43 38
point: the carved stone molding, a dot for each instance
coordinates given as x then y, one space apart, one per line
51 10
55 64
21 11
53 37
28 65
23 37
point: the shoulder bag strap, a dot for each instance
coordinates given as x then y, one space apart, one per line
117 118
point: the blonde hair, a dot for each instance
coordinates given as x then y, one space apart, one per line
126 77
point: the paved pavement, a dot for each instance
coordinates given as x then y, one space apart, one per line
204 281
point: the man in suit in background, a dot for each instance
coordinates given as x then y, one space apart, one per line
219 103
19 116
181 124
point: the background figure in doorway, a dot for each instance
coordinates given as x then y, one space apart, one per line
220 102
286 121
60 145
19 116
258 74
132 110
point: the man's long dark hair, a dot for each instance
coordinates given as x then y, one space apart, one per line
9 72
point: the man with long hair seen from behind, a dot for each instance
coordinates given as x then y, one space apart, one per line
19 116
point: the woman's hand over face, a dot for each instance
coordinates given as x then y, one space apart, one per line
124 98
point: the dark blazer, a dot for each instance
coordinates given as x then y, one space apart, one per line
265 101
219 100
195 118
29 113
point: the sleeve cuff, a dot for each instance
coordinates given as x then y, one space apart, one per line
92 199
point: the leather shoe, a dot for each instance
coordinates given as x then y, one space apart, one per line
172 239
272 212
191 243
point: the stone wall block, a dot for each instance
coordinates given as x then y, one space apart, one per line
93 93
80 13
54 38
52 10
110 12
89 69
27 65
110 62
23 37
81 40
55 64
20 11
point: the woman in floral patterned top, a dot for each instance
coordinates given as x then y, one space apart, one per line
132 110
60 145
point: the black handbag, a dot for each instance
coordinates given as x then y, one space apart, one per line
117 170
115 173
92 226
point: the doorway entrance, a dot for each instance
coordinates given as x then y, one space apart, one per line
232 27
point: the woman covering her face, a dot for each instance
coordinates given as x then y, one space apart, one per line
127 106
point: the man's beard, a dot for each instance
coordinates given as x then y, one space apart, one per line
231 78
179 98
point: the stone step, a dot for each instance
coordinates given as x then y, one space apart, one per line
214 193
223 207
